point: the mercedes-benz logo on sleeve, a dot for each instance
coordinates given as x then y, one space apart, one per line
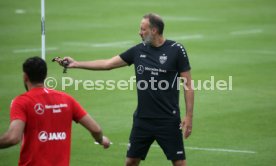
39 109
140 69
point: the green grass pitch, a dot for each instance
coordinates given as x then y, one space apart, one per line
223 38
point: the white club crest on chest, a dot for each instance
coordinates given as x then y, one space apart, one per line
163 58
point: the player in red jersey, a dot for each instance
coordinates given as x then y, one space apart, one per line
42 119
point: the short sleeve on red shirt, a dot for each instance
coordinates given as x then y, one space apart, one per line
18 109
78 111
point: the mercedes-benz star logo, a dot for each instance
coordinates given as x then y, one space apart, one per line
39 109
140 69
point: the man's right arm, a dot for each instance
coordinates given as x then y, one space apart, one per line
106 64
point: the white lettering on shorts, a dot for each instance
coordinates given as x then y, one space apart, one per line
179 152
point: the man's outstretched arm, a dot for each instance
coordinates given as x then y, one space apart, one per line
105 64
13 135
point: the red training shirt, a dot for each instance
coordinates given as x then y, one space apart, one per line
48 116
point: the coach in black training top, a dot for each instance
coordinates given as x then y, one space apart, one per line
163 63
158 64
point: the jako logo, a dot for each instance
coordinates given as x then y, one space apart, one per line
43 136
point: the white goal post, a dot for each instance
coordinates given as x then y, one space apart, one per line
43 49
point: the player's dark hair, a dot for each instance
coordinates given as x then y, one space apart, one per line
155 21
36 69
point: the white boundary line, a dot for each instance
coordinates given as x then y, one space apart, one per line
208 149
246 32
26 50
20 11
221 150
187 18
188 37
251 51
97 143
111 44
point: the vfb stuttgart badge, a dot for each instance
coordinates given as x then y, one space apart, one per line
163 58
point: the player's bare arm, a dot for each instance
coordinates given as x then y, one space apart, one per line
105 64
13 135
189 100
92 126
